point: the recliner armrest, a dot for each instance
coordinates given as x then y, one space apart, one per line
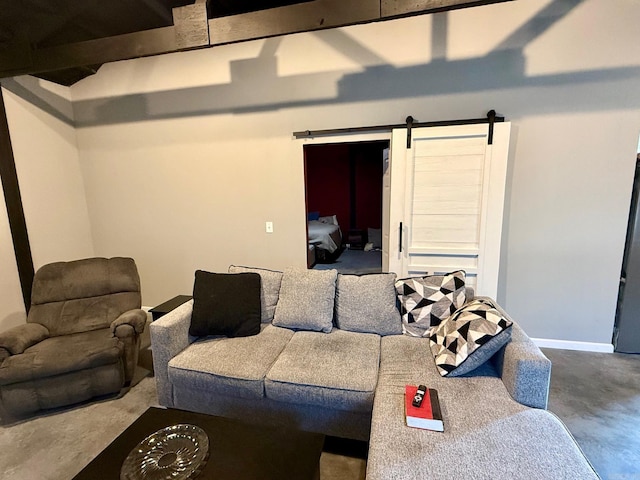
17 339
135 318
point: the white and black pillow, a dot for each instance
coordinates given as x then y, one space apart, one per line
426 301
225 304
469 337
367 304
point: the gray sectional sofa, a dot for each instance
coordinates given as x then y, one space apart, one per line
342 379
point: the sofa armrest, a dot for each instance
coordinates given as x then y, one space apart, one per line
137 319
17 339
169 336
524 369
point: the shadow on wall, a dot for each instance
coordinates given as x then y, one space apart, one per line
255 85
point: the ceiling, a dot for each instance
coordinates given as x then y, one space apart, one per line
67 40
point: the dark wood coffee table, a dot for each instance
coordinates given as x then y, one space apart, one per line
237 450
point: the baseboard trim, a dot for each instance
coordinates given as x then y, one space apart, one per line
571 345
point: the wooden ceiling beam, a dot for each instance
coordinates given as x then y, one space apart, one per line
191 30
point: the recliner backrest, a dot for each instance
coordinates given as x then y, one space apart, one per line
84 295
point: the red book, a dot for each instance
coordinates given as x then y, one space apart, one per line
428 415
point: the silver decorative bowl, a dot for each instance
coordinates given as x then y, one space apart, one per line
178 452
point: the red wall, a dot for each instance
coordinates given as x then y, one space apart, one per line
368 194
329 181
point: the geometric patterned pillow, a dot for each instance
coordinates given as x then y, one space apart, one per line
426 301
469 337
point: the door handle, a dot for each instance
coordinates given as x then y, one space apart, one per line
400 237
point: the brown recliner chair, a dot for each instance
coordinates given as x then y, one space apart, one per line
81 339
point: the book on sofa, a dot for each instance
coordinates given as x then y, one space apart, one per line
428 415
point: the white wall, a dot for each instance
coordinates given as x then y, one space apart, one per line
185 156
50 179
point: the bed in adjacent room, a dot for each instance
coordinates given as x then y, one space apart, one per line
325 235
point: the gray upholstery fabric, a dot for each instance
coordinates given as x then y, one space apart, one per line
17 339
233 366
137 319
508 445
131 349
51 392
525 371
59 355
82 314
169 336
81 295
367 303
269 290
487 434
90 277
340 423
338 370
306 300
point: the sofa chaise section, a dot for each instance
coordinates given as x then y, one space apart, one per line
488 435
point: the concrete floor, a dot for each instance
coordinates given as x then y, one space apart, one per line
597 395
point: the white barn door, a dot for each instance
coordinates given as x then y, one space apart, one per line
446 202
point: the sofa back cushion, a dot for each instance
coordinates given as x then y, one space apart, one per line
84 295
367 304
306 300
269 289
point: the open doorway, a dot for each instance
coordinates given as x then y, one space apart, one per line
343 191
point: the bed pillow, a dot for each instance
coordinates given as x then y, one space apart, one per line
306 300
225 304
426 301
367 303
313 216
329 220
269 290
469 337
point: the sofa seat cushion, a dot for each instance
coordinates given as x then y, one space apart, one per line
486 433
63 354
336 370
229 366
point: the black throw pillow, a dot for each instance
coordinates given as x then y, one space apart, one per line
226 304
